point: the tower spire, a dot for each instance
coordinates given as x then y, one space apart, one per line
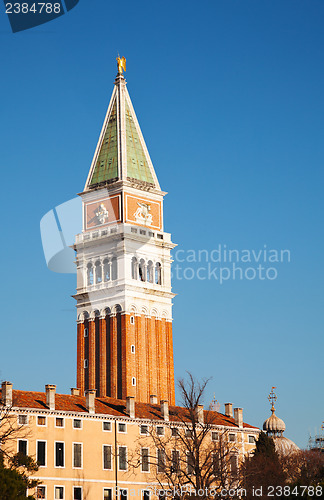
121 153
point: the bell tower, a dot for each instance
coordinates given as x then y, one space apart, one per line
124 298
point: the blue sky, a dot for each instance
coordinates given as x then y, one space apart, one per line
229 96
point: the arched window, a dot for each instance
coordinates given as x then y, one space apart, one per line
149 273
141 270
106 270
98 272
158 273
134 268
89 274
114 271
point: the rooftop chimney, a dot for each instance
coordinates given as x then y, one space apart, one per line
90 395
130 406
6 396
75 391
153 399
229 410
238 416
165 410
50 396
200 414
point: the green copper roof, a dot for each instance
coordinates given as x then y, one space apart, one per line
137 166
107 163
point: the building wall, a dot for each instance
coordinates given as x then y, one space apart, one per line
91 476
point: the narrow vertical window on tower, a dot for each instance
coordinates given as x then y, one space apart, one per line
106 270
158 273
98 272
149 271
89 274
141 270
134 268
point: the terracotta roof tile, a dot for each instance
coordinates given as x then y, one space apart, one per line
114 407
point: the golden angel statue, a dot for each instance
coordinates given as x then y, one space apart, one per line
121 64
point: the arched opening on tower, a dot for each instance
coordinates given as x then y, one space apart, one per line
114 270
141 270
149 277
98 270
134 268
89 274
158 273
106 270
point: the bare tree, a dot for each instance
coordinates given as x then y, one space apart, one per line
304 467
198 460
15 468
10 430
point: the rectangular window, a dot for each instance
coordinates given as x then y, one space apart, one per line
233 464
106 457
188 433
22 446
123 495
22 419
251 440
145 460
175 460
41 453
59 455
41 420
160 431
160 460
214 436
144 429
174 432
190 463
107 494
77 455
41 492
106 426
59 422
59 492
231 438
216 464
121 427
122 458
146 494
77 493
77 423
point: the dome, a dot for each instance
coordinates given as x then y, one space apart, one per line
274 425
284 446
